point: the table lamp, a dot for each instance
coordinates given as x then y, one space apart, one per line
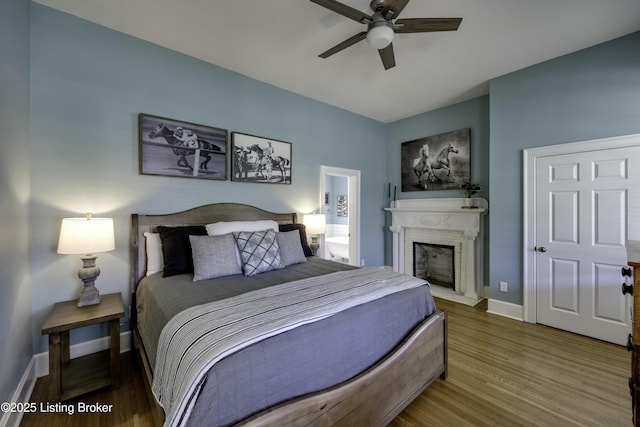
87 236
316 224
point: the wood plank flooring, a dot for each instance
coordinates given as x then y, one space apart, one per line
130 404
502 372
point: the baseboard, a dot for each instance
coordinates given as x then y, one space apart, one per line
82 349
506 309
22 394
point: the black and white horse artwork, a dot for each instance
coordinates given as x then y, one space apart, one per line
436 162
254 159
422 167
442 162
266 163
180 150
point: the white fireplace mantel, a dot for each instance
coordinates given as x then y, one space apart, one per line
442 221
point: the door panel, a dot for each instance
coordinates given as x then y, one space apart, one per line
582 219
564 221
610 217
564 274
607 304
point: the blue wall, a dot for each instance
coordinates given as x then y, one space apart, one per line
473 114
89 83
15 289
590 94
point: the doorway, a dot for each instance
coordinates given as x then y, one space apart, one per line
577 221
340 202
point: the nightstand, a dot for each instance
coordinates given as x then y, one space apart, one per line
69 378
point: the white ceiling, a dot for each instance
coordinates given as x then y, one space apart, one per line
278 42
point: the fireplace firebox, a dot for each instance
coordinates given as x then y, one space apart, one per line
434 263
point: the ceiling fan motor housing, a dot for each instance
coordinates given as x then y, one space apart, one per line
377 5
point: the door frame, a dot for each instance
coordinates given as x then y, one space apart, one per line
353 206
530 157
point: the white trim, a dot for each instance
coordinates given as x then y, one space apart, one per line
21 395
353 177
505 309
530 156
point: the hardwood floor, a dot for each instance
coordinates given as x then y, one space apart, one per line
502 372
130 405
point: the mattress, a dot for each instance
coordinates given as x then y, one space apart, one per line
309 358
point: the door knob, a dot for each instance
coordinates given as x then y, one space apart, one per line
540 249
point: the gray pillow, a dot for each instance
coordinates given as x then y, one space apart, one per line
290 247
214 256
259 251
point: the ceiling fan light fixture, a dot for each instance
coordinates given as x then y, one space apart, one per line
380 35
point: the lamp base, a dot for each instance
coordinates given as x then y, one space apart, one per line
88 274
314 245
89 296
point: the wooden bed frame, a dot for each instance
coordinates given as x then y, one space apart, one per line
375 397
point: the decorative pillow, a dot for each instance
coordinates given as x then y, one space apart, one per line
303 236
176 248
153 247
290 247
222 227
214 256
259 251
225 227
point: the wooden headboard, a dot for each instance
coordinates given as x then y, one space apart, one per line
201 215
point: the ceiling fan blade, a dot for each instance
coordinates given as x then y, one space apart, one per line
387 56
345 10
345 44
394 7
425 25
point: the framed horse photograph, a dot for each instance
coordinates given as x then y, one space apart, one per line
258 159
177 148
437 162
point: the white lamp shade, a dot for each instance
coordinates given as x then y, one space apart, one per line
380 36
315 223
86 236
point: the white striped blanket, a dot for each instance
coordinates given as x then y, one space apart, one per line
195 339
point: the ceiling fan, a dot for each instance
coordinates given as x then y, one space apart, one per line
381 26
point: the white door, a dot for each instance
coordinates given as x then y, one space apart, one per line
582 214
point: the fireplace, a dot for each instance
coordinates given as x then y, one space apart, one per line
434 263
452 232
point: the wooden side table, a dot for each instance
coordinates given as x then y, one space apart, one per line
69 378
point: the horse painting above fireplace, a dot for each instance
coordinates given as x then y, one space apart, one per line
437 162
